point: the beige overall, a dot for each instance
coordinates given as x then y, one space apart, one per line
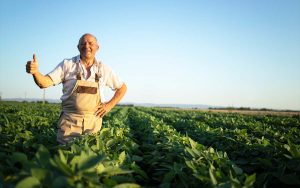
78 110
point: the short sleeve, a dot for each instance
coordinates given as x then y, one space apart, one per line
57 74
111 79
114 81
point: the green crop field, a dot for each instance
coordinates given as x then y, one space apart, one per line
149 147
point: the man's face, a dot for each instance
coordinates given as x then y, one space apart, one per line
88 47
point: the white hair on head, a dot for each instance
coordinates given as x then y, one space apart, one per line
87 34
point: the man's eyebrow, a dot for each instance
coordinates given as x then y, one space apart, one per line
87 42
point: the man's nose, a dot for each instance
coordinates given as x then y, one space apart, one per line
85 45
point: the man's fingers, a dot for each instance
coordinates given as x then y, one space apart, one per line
100 106
28 66
100 112
31 67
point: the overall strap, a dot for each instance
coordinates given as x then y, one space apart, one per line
96 77
97 72
78 74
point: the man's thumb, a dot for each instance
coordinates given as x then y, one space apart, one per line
34 58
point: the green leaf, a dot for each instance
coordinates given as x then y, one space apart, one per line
109 182
89 162
265 142
193 143
197 152
127 185
60 182
62 157
288 156
212 176
91 177
190 151
237 169
111 171
100 168
99 143
137 158
75 149
39 173
111 142
19 157
104 132
293 149
234 179
122 157
211 150
29 182
190 165
250 180
62 167
42 155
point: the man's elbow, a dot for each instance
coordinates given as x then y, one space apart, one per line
43 81
42 86
124 88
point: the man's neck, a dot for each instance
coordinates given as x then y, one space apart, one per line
87 62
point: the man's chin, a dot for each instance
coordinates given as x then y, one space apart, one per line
86 56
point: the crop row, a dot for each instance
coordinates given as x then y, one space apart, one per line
171 158
264 145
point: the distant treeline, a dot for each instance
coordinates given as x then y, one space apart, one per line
129 105
250 109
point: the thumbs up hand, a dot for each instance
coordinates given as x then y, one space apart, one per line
32 66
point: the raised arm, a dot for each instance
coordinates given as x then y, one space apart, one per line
40 80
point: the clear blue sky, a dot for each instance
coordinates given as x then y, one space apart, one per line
228 53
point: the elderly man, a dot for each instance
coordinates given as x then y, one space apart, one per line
83 79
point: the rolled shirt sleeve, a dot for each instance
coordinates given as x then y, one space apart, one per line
112 80
57 74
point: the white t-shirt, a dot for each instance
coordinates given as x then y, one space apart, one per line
66 73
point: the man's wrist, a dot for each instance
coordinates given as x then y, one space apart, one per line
110 105
35 73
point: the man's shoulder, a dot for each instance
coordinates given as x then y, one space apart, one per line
74 59
102 65
69 62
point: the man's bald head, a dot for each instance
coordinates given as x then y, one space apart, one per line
85 35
